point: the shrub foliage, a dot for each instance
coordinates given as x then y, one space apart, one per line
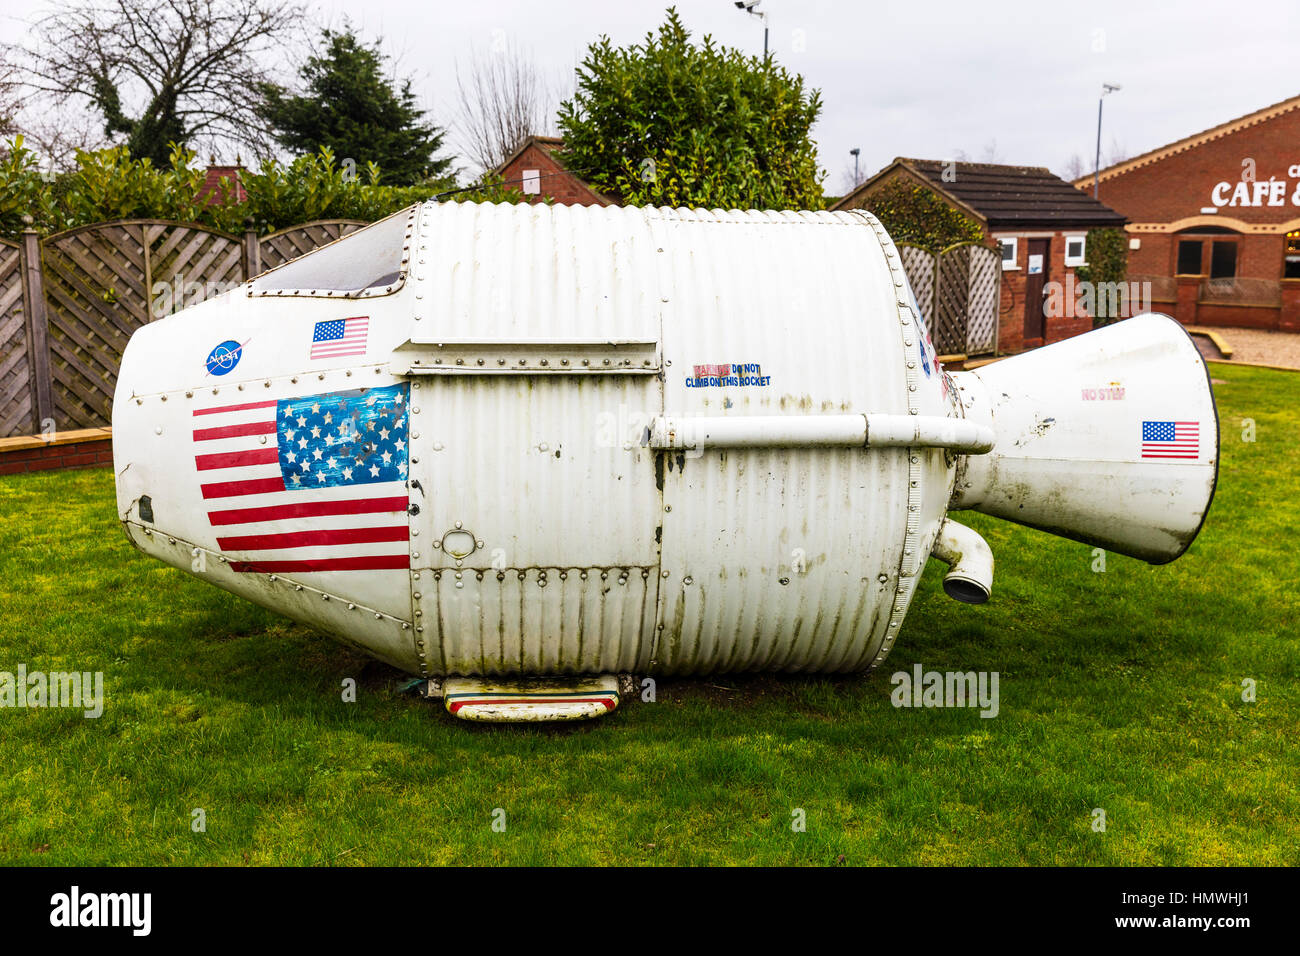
913 214
108 184
668 122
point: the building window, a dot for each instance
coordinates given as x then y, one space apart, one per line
1189 257
532 182
1074 250
1223 260
1291 264
1010 249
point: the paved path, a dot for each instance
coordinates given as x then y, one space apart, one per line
1254 346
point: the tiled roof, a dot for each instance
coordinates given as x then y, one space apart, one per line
211 190
1017 196
1004 197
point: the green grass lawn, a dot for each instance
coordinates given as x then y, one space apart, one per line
1119 690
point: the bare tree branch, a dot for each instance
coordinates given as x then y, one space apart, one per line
162 68
10 96
56 138
502 100
1117 153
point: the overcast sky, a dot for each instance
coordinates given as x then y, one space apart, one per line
925 78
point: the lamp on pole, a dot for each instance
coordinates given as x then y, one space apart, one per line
854 153
1096 164
751 7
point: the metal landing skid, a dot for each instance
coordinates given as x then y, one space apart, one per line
528 700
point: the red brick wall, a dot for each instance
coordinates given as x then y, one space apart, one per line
1011 311
1178 186
1156 256
556 182
1240 316
1258 257
72 455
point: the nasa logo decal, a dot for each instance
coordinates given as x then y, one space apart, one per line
224 357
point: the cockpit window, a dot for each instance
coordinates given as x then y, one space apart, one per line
371 261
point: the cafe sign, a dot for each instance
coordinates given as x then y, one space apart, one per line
1254 193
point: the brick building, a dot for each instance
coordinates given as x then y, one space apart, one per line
1039 220
222 182
1214 220
534 168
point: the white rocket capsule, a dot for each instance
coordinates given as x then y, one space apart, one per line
495 444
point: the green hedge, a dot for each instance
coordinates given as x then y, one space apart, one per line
1107 252
913 214
108 184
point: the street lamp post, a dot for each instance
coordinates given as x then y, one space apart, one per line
854 153
751 7
1096 163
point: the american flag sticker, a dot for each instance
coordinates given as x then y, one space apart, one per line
1171 439
339 337
308 484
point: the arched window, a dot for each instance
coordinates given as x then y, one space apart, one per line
1207 250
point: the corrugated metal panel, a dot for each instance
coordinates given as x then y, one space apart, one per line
548 473
554 273
771 559
780 561
556 620
536 471
809 299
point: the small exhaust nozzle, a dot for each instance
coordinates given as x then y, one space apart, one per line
970 562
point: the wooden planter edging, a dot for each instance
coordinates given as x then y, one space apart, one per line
83 448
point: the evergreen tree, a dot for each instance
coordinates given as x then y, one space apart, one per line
351 108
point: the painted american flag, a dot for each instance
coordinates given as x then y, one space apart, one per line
1171 439
339 337
308 484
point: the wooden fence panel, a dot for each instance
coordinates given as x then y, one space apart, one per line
982 301
16 393
96 287
280 247
919 266
188 264
952 298
958 292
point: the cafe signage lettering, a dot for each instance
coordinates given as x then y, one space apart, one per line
1259 192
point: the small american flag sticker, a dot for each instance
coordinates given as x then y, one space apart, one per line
340 337
1171 439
